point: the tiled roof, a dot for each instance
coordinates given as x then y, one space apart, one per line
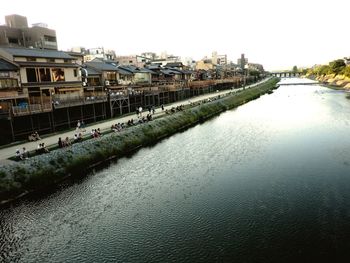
38 53
7 66
101 66
134 69
92 71
124 72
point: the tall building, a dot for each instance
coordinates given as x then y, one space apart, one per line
219 59
17 33
242 61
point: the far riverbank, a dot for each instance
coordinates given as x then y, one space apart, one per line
42 171
333 81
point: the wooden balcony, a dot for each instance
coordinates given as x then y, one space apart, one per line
13 94
75 99
31 109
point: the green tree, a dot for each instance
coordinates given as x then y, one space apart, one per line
324 70
295 69
337 66
347 71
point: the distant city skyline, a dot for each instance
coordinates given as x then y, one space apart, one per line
277 34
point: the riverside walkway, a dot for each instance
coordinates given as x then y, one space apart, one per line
52 139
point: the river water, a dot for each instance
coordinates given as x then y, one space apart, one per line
266 182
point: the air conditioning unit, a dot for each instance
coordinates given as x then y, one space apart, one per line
107 82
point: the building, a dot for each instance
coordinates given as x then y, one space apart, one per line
99 52
10 89
219 59
39 86
205 64
242 61
134 60
16 33
255 67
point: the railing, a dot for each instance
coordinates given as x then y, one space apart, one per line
4 113
31 108
12 94
68 100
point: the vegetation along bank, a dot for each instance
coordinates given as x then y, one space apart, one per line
41 171
336 74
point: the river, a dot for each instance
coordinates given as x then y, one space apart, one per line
266 182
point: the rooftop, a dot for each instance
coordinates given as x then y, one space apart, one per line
38 53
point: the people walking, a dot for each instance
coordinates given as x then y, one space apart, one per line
78 125
140 111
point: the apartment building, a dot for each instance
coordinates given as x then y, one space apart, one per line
17 33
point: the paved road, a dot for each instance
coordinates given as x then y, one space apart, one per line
10 151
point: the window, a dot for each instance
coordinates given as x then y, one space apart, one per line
31 59
49 38
13 40
58 74
44 74
31 75
75 73
111 76
50 60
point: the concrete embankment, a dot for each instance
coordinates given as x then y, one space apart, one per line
42 171
332 80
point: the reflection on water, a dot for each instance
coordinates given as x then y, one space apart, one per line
266 182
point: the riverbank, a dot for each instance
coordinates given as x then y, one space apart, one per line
333 81
41 171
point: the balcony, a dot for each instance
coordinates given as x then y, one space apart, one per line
50 44
75 99
28 109
13 94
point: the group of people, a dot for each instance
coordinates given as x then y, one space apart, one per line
80 126
78 137
151 110
64 143
42 148
118 127
34 136
96 133
174 109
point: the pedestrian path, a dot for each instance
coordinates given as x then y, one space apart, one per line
50 140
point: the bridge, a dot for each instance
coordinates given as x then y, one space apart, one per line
286 74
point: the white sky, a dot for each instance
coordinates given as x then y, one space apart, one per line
276 33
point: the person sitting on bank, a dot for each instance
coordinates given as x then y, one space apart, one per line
24 154
99 133
114 128
39 149
67 142
34 137
60 143
44 148
18 155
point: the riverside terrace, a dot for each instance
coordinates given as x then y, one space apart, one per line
51 140
46 93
